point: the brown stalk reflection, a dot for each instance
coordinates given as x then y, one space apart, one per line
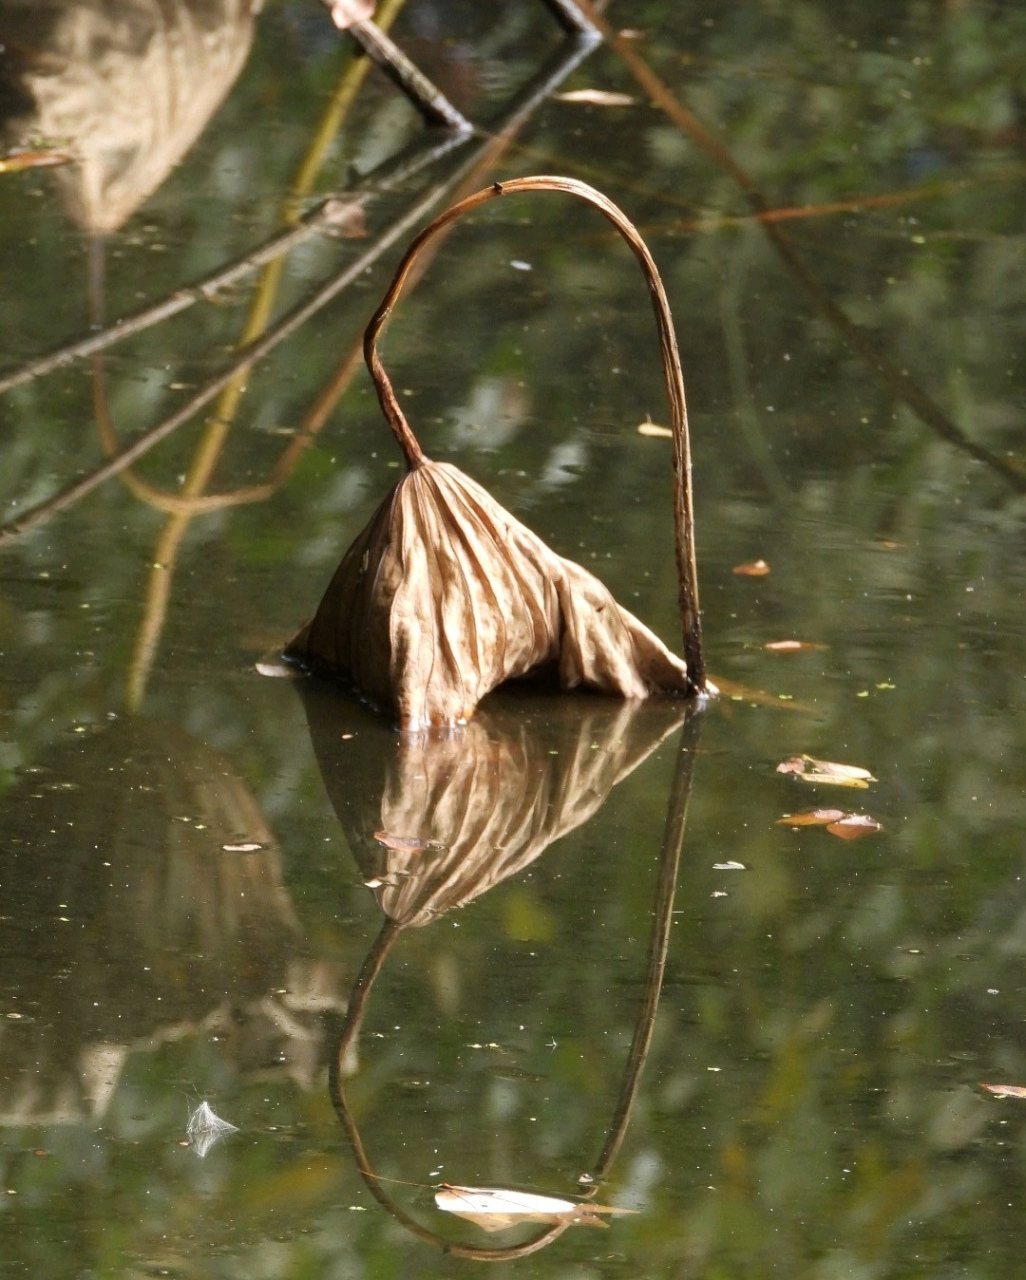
474 827
144 901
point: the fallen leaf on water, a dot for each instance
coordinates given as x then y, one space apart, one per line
826 772
597 98
847 826
757 569
792 646
813 818
853 826
1005 1090
496 1210
654 430
19 160
345 12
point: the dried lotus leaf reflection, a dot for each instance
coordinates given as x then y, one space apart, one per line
126 89
435 820
444 596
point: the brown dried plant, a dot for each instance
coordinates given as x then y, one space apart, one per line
445 595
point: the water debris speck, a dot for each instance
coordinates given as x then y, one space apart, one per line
205 1129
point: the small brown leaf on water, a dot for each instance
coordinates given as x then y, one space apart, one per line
846 826
792 646
853 826
345 12
756 569
597 98
813 818
20 160
1005 1090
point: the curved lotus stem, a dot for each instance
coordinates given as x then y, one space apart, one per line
683 501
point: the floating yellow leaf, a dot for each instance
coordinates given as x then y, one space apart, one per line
654 430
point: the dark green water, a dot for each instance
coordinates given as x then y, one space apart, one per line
808 1104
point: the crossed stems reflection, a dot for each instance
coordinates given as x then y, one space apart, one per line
659 940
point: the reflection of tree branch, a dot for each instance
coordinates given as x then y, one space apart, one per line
673 838
552 73
287 326
896 379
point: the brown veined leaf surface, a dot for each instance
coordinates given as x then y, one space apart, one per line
445 595
756 569
1005 1090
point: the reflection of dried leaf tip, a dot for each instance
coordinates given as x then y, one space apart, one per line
205 1129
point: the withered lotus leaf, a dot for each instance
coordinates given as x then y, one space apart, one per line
445 595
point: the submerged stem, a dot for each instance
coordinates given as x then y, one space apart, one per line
683 499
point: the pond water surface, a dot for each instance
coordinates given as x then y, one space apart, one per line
766 1041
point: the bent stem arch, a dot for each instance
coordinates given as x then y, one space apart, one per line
683 500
